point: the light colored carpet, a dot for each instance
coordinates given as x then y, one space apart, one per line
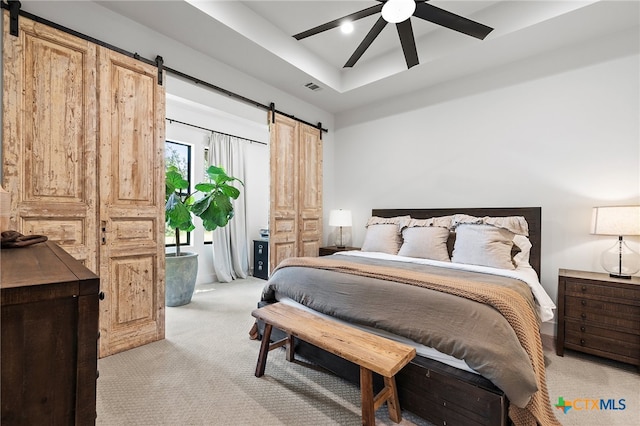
203 374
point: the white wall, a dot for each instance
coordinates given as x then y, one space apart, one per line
560 131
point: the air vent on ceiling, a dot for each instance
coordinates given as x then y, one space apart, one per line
313 86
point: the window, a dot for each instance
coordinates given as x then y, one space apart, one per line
179 155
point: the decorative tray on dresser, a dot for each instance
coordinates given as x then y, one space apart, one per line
599 315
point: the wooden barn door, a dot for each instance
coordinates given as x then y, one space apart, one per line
295 218
49 137
283 215
132 111
58 172
309 190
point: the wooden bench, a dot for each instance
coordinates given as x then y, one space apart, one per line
371 352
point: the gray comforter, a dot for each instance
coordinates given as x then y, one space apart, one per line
460 327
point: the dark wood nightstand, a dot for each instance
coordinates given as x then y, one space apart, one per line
326 251
599 315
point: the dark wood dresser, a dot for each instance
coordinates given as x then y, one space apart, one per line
599 315
49 321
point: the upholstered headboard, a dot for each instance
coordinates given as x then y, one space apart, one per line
533 216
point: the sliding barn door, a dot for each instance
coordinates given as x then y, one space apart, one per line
309 190
295 219
131 202
49 136
59 90
283 216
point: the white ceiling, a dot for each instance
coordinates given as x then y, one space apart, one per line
255 37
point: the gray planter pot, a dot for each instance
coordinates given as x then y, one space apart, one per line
181 273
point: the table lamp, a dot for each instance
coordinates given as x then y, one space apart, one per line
340 218
620 260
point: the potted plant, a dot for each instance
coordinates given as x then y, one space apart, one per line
211 202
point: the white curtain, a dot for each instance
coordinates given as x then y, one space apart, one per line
230 251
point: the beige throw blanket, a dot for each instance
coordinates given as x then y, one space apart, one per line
506 301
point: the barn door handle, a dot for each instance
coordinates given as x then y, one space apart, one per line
103 229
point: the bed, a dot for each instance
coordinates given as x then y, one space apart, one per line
426 285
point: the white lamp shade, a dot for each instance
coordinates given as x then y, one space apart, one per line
616 220
340 218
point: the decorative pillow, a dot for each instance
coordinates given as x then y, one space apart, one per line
516 224
426 242
484 245
384 234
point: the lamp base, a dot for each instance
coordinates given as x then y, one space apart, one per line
340 247
624 277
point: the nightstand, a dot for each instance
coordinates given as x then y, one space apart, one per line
599 315
326 251
261 259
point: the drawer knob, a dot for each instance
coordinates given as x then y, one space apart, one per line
101 295
584 288
583 315
583 328
582 342
584 302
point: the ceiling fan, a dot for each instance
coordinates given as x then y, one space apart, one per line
399 12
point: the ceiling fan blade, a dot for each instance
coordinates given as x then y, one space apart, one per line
408 42
451 20
366 42
337 22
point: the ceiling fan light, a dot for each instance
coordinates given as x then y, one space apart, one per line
395 11
346 27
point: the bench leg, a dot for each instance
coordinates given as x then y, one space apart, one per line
366 392
371 403
264 350
393 404
291 353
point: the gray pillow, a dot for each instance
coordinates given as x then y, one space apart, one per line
484 245
425 242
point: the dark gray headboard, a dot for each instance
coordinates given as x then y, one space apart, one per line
533 216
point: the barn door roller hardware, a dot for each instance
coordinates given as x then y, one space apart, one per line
14 12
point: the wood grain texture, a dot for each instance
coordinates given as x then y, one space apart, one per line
383 356
599 315
132 202
49 332
295 220
49 134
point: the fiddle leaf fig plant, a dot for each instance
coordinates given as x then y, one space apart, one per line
214 206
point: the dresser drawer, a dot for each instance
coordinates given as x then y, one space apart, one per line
577 288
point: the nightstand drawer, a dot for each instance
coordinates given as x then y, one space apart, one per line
628 347
576 288
587 329
603 313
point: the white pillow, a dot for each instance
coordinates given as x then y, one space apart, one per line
484 245
426 242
